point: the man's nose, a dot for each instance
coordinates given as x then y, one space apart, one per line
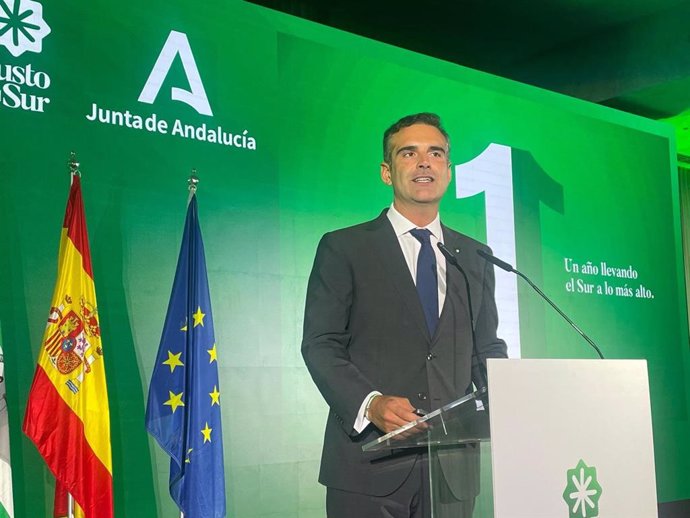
423 162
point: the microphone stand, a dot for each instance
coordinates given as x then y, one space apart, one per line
478 368
508 268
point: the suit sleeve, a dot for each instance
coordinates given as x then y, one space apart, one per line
326 336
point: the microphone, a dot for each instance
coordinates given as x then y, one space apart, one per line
509 268
478 367
497 262
450 256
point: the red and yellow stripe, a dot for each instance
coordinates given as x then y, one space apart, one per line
72 429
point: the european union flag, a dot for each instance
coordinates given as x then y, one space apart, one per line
183 410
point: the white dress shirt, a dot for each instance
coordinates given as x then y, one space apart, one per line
410 247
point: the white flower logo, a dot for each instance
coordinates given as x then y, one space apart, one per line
22 27
582 492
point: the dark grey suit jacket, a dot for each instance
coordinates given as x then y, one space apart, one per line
364 330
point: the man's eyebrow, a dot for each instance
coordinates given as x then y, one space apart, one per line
407 148
414 147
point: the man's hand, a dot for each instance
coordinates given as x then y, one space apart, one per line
390 412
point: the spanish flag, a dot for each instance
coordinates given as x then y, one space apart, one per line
67 414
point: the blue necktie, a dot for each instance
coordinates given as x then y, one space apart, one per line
427 283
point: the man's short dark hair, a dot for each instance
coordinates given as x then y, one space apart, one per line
430 119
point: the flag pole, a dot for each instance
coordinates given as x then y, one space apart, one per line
192 183
73 170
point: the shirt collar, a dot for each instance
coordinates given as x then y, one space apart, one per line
402 225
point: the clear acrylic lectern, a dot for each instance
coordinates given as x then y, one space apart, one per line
457 438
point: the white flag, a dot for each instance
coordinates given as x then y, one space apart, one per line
6 503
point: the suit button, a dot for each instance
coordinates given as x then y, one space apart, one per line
422 396
430 356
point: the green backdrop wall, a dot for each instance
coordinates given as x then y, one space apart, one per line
309 105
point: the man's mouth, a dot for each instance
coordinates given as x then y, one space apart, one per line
423 179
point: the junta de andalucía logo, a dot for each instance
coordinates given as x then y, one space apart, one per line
582 492
22 27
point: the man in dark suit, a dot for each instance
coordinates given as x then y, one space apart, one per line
387 331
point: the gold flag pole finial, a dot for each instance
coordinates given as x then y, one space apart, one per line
73 164
192 183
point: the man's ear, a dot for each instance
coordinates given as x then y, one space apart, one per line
386 174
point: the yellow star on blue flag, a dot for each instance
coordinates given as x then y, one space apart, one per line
173 361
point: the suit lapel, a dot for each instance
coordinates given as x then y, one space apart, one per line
385 243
